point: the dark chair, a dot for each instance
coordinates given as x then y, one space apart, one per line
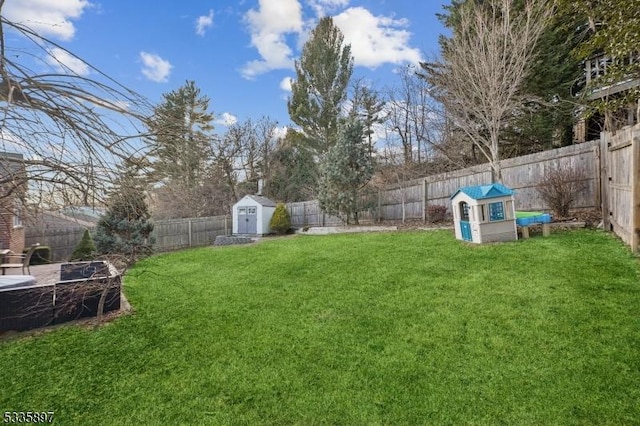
26 260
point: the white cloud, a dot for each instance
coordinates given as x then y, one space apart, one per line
269 25
203 23
66 63
376 40
324 7
46 17
285 84
227 119
155 68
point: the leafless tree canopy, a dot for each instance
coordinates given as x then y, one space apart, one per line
484 65
71 130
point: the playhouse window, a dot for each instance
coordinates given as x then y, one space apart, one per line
482 213
496 211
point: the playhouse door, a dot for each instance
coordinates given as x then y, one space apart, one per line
465 230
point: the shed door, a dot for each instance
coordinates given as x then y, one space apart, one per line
247 220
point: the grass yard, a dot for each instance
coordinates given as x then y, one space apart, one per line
397 328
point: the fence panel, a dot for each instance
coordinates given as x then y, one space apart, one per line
622 207
175 234
62 242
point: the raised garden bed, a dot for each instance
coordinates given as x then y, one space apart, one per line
25 305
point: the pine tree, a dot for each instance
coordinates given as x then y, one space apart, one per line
126 228
293 171
346 169
85 250
320 88
182 126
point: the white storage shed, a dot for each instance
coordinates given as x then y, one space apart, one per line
485 213
252 214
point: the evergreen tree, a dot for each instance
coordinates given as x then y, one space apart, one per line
293 171
320 88
280 221
126 227
547 119
367 106
182 126
85 250
345 171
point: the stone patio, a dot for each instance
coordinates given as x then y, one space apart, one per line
46 274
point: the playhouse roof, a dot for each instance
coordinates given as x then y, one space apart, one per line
263 201
482 192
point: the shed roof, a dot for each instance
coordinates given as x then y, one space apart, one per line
482 192
263 201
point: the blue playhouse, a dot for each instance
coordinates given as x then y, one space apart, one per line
484 213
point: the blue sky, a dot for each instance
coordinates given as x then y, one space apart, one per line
240 53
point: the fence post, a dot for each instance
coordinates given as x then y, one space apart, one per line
226 227
190 238
597 178
604 180
304 214
424 201
379 205
635 189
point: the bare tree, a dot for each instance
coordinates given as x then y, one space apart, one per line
71 129
396 176
265 130
483 67
412 116
226 152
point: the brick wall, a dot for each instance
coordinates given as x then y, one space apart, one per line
11 237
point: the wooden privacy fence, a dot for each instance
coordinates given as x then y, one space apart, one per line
410 200
620 184
309 213
522 174
174 234
61 241
170 234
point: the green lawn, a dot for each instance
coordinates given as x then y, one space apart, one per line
397 328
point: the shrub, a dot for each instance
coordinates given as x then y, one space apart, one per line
41 255
126 228
436 213
560 188
280 221
85 250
